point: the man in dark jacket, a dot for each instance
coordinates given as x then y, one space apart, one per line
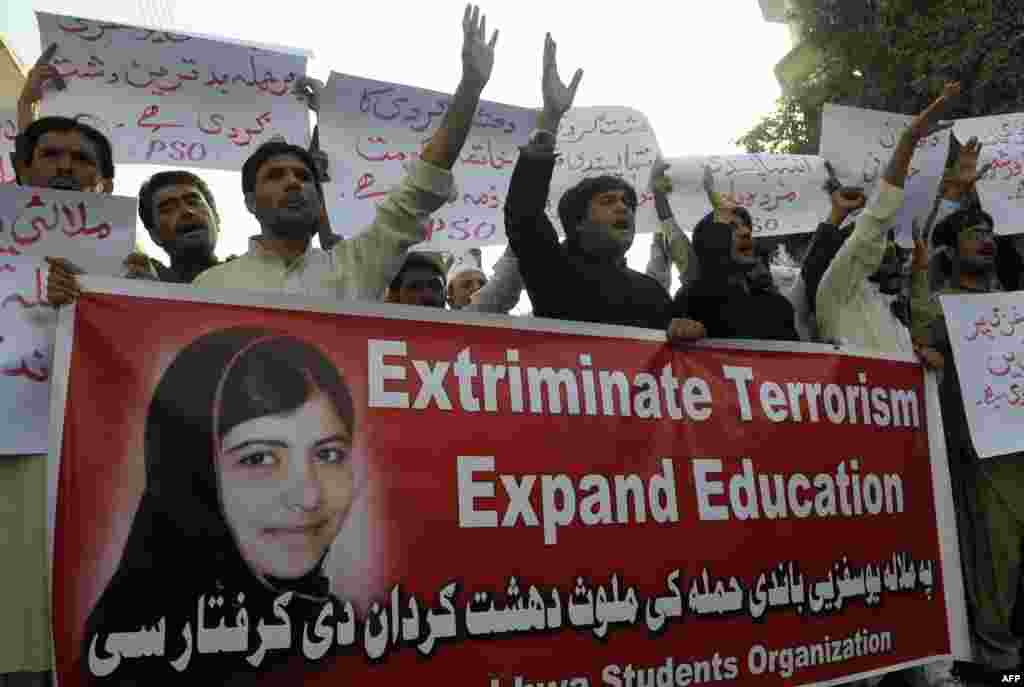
727 298
586 279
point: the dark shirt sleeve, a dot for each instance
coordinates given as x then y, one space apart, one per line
530 233
825 243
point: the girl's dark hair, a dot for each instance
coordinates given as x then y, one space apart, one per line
179 543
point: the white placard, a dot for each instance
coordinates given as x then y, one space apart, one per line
987 335
8 132
370 129
172 98
859 144
95 231
596 141
1002 188
27 324
783 193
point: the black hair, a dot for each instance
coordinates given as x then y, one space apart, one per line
273 148
947 231
170 178
25 143
180 545
573 206
416 260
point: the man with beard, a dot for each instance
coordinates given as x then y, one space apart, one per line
987 494
282 189
585 279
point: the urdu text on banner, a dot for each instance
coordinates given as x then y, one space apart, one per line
332 474
859 143
371 129
1002 188
8 132
783 193
987 335
27 322
95 231
169 98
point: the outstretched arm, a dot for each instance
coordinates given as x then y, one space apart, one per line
477 62
862 253
42 75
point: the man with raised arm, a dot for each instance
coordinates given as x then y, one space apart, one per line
283 191
858 299
585 279
988 495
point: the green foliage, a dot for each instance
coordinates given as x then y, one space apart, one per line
895 55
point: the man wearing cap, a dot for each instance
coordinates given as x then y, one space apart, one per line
282 189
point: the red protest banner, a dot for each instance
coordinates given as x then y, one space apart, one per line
254 494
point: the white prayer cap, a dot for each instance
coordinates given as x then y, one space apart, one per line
469 261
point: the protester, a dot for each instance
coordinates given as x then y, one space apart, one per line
724 298
419 282
499 294
179 212
283 191
585 279
986 493
58 153
858 299
828 238
250 476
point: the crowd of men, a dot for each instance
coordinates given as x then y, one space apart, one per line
850 285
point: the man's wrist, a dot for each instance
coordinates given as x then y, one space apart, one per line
837 217
470 87
549 120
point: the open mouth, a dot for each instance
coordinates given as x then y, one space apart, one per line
295 201
191 230
64 183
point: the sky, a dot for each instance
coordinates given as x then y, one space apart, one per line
701 72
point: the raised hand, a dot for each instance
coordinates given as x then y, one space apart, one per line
477 52
927 123
42 74
309 89
557 96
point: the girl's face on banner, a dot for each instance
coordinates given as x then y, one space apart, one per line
286 484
